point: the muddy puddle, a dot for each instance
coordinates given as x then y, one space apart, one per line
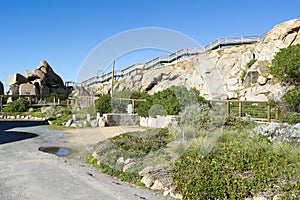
59 151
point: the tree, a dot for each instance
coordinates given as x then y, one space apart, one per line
286 65
168 100
103 104
142 107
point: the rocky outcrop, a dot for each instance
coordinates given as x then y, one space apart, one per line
42 81
1 88
232 72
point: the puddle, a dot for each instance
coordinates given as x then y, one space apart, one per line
59 151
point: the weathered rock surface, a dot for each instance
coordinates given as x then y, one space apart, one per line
156 177
218 73
1 88
42 81
16 79
28 89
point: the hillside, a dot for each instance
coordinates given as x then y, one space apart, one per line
237 72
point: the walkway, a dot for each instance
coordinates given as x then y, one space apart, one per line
161 60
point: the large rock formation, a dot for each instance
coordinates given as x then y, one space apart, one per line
233 72
1 88
42 81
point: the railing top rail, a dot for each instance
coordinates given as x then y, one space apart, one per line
219 42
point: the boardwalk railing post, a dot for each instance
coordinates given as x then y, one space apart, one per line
1 103
227 108
269 112
277 113
240 109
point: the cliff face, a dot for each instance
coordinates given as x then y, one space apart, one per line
232 72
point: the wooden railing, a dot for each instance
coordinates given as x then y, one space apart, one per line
260 111
161 60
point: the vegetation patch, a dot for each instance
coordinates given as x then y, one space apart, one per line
239 166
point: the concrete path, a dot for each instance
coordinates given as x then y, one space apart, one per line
27 173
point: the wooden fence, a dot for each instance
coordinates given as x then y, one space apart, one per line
260 111
34 100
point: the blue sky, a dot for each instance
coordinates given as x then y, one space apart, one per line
64 32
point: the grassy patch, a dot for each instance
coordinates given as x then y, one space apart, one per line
141 147
239 166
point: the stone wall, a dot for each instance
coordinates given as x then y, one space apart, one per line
158 122
121 119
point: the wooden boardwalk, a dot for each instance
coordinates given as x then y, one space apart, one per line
161 60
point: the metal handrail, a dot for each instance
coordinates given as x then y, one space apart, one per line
218 43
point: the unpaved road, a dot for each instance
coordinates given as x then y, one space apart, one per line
27 173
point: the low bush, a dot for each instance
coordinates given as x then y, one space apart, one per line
137 146
237 167
237 123
123 176
19 105
292 97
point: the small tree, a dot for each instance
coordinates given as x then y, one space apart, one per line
286 65
103 104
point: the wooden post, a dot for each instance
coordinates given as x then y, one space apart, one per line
132 105
1 103
277 113
269 112
227 108
112 78
240 109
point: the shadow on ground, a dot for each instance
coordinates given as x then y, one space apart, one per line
7 135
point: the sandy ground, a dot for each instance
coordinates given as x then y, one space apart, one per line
84 139
29 174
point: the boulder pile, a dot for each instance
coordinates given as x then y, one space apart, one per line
41 82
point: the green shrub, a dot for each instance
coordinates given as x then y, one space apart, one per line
237 123
291 118
142 107
243 75
57 96
250 63
168 100
237 167
292 97
142 142
123 176
19 105
286 65
103 104
61 115
137 145
157 109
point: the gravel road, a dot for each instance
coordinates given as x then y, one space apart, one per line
27 173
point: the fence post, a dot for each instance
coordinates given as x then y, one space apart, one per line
277 113
1 103
30 100
240 109
227 108
269 112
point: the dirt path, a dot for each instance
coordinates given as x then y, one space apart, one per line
27 173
